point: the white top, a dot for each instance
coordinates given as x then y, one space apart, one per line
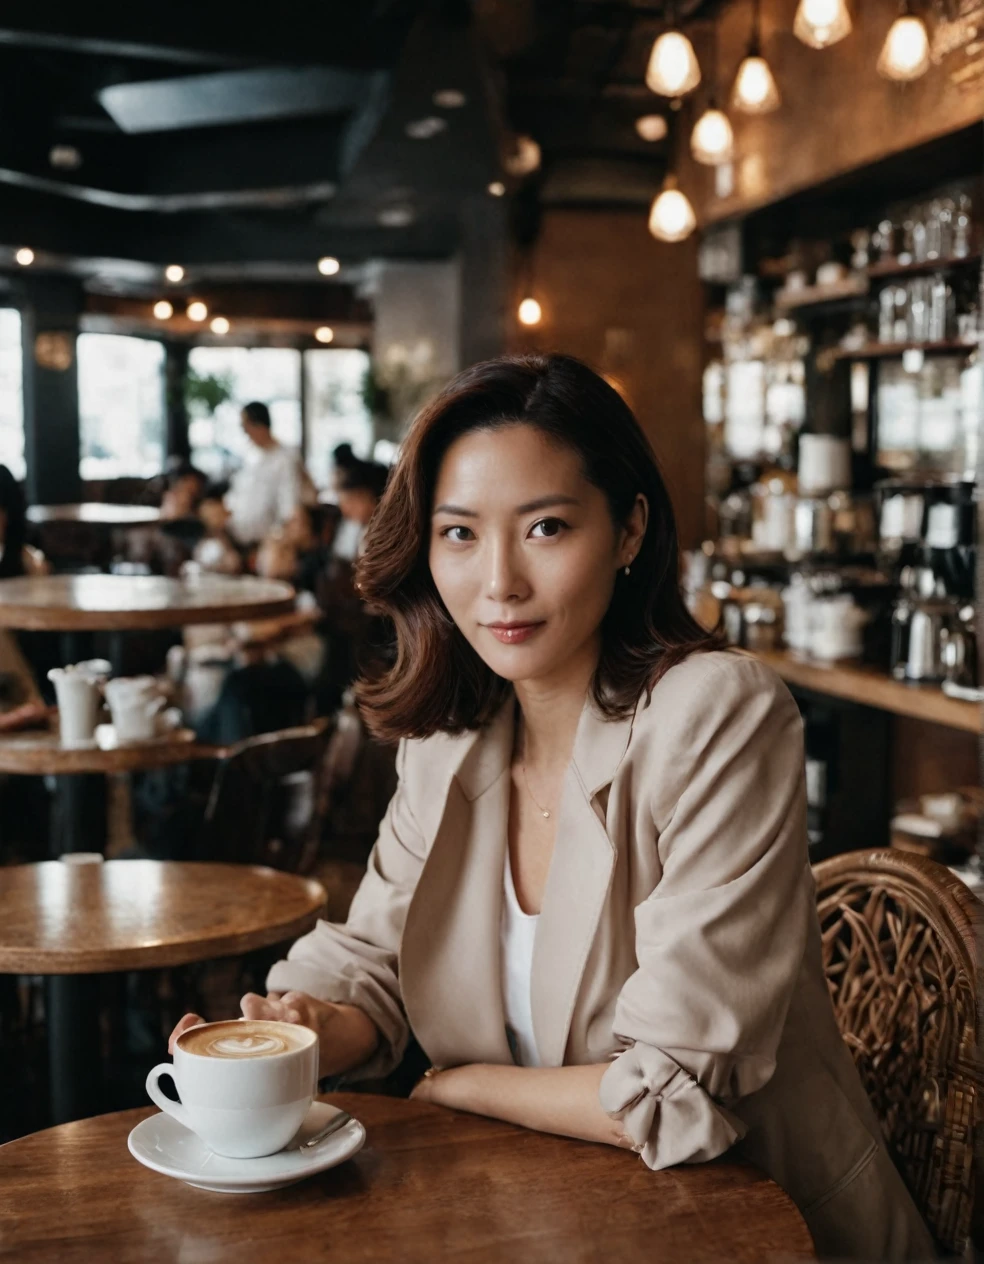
265 492
518 935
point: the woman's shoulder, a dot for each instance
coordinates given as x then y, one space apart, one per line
706 689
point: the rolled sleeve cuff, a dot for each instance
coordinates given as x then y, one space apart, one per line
299 976
665 1115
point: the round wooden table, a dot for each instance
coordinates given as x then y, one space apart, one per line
73 921
93 513
126 603
39 752
430 1184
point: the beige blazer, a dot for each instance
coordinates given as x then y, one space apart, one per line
677 940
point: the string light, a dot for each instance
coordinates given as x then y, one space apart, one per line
324 333
671 217
530 312
905 53
821 23
25 256
174 272
197 311
219 325
328 266
673 68
163 310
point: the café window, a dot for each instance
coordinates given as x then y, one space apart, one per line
336 411
221 381
122 420
11 393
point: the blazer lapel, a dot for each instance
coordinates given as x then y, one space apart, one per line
450 967
577 883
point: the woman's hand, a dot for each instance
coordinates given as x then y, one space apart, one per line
346 1036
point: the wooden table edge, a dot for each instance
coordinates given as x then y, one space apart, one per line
156 956
39 619
24 761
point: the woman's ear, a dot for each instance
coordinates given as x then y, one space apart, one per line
634 531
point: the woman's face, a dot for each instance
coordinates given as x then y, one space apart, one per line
524 553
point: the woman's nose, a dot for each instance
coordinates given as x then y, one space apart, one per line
505 580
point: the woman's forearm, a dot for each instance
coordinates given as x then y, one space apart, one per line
347 1039
562 1100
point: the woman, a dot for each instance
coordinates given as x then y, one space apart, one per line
590 897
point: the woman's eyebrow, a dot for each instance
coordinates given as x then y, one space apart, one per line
531 506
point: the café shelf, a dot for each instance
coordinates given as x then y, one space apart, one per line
869 687
887 350
892 268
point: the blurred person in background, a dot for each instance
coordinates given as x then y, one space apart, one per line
270 486
359 486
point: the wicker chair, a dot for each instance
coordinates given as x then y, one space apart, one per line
899 950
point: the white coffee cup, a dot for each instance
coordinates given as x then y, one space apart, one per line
243 1105
137 705
78 697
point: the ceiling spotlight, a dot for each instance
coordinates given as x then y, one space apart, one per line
671 217
529 312
395 216
174 272
324 333
651 127
821 23
25 256
525 157
497 188
197 310
163 310
426 128
328 265
712 141
219 325
905 53
449 98
65 157
673 69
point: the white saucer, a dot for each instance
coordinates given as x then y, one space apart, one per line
166 1146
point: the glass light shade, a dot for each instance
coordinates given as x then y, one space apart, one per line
530 312
905 53
755 90
673 69
821 23
651 127
671 217
712 141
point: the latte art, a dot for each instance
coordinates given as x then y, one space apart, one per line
245 1046
245 1038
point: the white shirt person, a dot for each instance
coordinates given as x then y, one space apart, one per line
270 486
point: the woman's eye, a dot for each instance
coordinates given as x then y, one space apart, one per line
465 534
547 528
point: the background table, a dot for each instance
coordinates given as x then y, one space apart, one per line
77 603
94 513
73 921
430 1184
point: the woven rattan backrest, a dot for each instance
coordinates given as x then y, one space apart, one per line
899 950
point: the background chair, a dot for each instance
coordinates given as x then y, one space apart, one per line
900 954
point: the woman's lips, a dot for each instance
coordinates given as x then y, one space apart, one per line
513 633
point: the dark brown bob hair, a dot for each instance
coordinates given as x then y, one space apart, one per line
435 682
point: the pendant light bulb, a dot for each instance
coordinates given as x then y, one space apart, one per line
712 141
671 217
755 90
905 53
530 312
821 23
673 69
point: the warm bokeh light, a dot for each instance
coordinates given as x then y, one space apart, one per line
163 310
219 325
328 265
712 140
821 23
651 127
25 256
525 158
671 217
174 272
497 188
673 69
530 312
197 310
755 90
905 53
324 333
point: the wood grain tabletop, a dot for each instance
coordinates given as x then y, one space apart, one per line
95 513
40 752
58 918
71 603
429 1185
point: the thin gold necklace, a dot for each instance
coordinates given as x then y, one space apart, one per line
539 807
